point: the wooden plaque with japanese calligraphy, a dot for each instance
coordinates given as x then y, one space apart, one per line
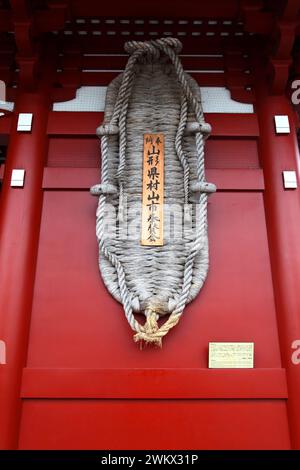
153 190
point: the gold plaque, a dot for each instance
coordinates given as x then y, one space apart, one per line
231 356
153 190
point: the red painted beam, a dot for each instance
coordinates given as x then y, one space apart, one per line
149 8
154 383
291 10
279 153
51 19
6 23
5 124
225 179
119 61
115 44
140 29
156 424
7 45
85 123
20 214
2 170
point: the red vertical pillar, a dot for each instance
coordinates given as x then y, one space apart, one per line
279 153
20 214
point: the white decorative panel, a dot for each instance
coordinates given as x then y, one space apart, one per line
289 179
218 100
24 122
215 100
17 178
282 125
8 106
88 98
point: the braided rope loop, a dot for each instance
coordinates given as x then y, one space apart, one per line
147 52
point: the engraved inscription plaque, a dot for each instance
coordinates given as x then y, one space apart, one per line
153 190
231 355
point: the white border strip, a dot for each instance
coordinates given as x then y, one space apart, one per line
214 99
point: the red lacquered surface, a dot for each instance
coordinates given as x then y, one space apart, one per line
74 378
81 345
279 153
154 424
19 229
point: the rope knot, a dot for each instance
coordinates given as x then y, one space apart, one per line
149 330
205 129
104 188
173 43
144 48
107 129
203 187
152 48
196 127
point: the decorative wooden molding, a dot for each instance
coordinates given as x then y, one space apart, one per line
77 42
279 28
157 383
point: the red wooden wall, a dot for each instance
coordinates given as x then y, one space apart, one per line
74 378
86 384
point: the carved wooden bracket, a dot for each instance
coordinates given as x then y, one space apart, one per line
279 29
28 26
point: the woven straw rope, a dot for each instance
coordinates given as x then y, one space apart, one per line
153 96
